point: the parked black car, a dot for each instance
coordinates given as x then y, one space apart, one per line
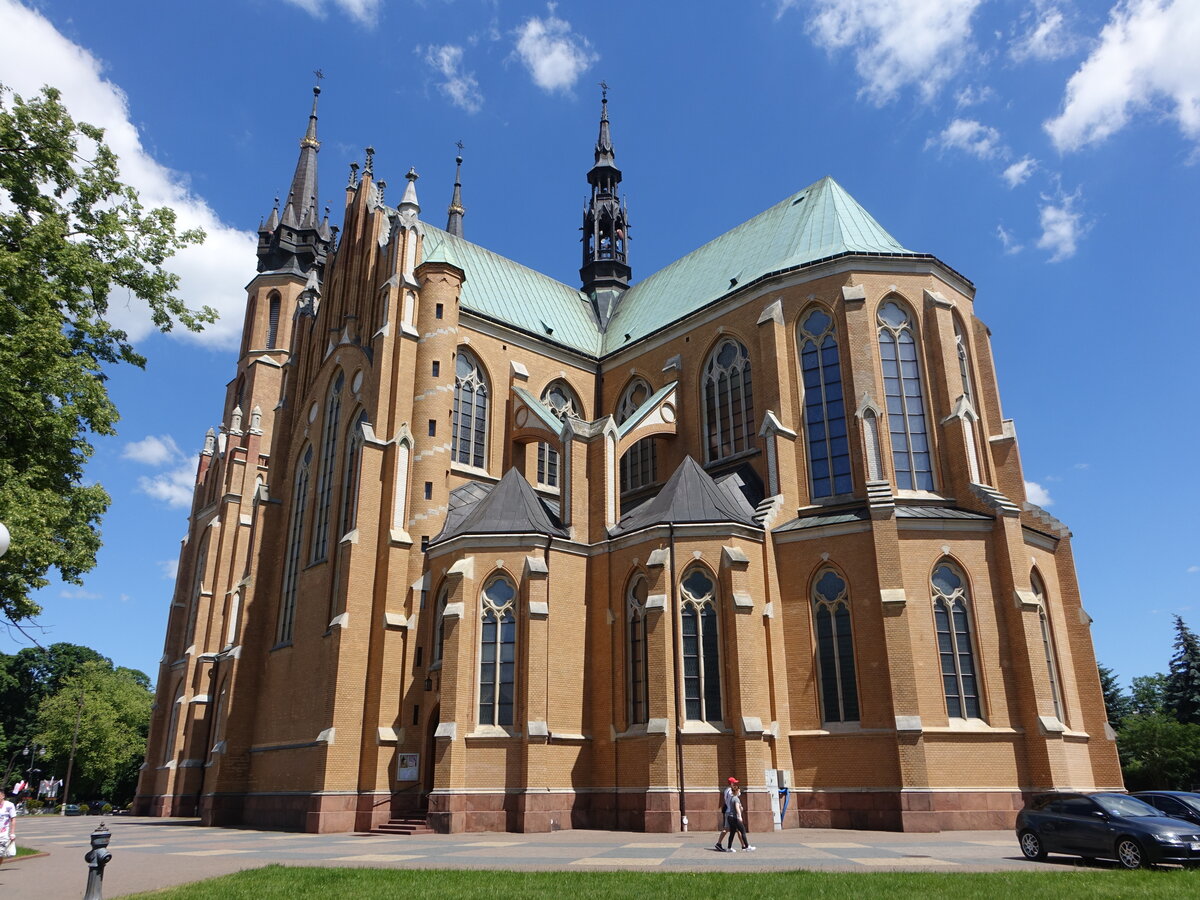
1107 826
1176 804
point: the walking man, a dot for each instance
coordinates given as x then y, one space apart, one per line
736 822
725 799
8 828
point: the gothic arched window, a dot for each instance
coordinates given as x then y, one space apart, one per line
835 648
291 561
498 652
350 483
637 668
469 429
562 401
962 351
955 648
439 632
824 409
272 320
728 400
329 440
639 465
701 647
911 459
1039 591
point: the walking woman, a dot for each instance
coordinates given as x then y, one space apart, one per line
735 821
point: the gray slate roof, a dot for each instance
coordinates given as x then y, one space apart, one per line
690 496
511 507
860 514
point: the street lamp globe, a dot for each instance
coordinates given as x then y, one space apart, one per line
5 539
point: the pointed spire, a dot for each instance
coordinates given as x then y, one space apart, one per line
353 182
290 218
604 144
304 182
369 165
454 221
409 202
310 136
605 273
273 220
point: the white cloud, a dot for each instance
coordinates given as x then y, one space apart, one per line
1011 245
173 487
1018 173
1038 495
1062 226
554 55
1047 36
1193 569
365 12
460 86
1083 465
896 43
152 451
971 137
973 95
33 53
1146 57
79 594
169 568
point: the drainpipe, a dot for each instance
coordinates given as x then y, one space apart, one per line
676 649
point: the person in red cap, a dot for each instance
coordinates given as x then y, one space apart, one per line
726 800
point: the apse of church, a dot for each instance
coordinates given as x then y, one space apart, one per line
480 550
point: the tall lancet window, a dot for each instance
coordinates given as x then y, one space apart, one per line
701 647
272 320
962 351
728 400
956 651
350 484
291 560
439 622
329 442
469 438
824 409
498 653
911 458
835 648
639 465
637 665
562 401
1039 591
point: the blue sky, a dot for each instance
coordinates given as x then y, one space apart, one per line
1046 149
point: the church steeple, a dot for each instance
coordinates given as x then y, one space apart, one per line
454 221
296 241
605 272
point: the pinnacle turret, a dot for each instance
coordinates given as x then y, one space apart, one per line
605 273
454 220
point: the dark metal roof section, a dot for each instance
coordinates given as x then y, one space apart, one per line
454 221
299 239
860 514
605 273
511 507
690 497
937 512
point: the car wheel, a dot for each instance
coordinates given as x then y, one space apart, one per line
1031 845
1130 854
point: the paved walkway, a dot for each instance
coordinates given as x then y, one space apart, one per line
154 853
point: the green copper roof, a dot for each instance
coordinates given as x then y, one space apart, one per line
818 222
501 289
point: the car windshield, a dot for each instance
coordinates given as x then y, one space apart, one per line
1116 805
1192 803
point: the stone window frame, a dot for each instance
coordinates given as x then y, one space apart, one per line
901 420
826 410
740 402
637 665
1037 586
503 621
291 560
325 477
953 610
549 462
640 460
841 665
703 611
469 372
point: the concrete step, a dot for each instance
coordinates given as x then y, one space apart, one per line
406 825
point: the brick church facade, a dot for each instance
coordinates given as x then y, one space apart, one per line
480 547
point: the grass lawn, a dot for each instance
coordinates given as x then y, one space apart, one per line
294 883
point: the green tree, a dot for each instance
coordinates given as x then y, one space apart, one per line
1148 694
71 236
1181 696
26 677
1116 702
1159 753
112 709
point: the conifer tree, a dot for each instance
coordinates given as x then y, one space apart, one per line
1117 703
1182 695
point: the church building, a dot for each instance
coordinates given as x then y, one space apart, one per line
479 550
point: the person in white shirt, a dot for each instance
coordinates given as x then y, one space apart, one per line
8 828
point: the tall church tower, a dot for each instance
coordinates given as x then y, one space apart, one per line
605 273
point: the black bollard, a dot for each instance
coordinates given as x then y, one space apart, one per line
97 858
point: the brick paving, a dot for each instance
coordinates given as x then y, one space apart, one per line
154 853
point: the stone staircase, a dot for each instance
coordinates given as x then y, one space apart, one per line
404 826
